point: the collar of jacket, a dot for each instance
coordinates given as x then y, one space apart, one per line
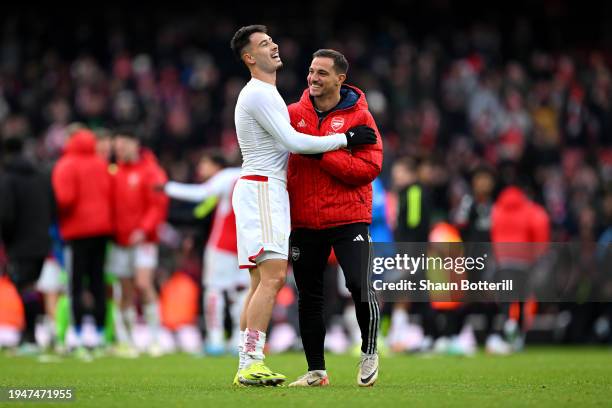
350 97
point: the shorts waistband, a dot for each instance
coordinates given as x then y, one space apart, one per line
255 177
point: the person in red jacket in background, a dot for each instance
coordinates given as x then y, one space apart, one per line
82 188
331 207
139 208
517 220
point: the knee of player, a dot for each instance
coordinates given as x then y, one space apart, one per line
274 282
310 307
306 298
144 285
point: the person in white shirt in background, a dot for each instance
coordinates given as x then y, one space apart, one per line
260 200
221 275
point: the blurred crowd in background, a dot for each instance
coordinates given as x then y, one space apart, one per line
515 95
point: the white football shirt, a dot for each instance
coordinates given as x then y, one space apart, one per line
265 134
220 185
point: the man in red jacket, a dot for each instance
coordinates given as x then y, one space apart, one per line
526 226
82 188
331 207
139 209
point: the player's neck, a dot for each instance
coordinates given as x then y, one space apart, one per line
268 77
326 103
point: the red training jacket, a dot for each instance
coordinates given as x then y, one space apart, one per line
136 203
82 188
335 190
516 219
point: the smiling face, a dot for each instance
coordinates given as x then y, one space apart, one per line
262 52
323 80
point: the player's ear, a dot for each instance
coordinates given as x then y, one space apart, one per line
248 59
341 79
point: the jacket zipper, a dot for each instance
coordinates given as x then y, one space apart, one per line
331 114
320 121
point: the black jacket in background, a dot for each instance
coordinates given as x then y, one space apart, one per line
25 209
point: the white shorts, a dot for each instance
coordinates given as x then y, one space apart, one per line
50 280
123 261
263 220
221 270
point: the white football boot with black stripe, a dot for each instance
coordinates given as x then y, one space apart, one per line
312 379
368 370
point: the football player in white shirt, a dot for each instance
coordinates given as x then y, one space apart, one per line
221 276
260 199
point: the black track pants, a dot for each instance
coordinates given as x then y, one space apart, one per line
85 265
309 252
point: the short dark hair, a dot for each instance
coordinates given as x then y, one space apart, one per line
215 156
341 65
407 162
242 37
484 169
128 130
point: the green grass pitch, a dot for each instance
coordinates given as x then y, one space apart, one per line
537 377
